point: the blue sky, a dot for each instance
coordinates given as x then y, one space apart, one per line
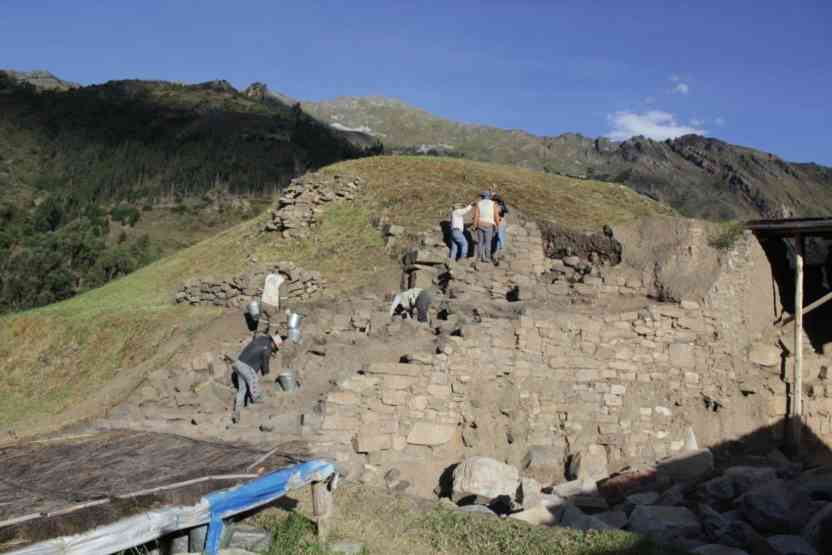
757 73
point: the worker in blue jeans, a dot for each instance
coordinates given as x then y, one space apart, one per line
502 211
459 244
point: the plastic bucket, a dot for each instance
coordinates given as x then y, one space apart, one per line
294 320
294 335
253 310
287 380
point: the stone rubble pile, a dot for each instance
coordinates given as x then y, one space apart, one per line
299 285
305 200
766 505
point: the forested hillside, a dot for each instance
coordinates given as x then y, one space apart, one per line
74 161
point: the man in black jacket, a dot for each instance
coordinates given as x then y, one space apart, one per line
254 358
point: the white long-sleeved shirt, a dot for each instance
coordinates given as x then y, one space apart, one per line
407 299
458 217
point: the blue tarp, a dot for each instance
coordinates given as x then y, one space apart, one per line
258 492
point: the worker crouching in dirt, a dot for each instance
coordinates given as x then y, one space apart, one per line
410 301
253 359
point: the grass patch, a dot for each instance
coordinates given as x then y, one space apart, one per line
385 523
418 191
452 532
725 235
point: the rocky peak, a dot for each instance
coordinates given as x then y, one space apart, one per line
219 85
40 79
257 90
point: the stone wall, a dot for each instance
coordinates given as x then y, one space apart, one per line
636 382
305 200
300 285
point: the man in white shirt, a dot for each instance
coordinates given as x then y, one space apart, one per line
410 300
459 244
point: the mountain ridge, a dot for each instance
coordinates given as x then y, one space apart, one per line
699 176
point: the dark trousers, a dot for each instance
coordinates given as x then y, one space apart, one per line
485 240
423 301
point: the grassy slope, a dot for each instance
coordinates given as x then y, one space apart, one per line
56 358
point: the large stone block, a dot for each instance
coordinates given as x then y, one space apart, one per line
344 423
544 463
682 355
428 433
764 354
689 466
776 507
367 443
656 520
485 477
791 545
589 464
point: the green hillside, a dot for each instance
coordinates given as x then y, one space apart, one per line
81 167
95 346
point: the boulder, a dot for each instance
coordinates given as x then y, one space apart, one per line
251 538
544 513
544 464
591 464
674 495
528 494
763 354
791 545
776 507
818 531
478 509
574 488
719 489
646 498
571 516
747 477
656 520
615 519
486 477
717 549
687 467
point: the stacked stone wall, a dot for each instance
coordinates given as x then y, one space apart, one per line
299 285
636 382
304 201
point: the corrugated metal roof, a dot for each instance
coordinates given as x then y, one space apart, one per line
790 227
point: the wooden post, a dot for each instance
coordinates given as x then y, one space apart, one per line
321 507
797 382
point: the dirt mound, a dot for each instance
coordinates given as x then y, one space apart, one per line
672 254
560 242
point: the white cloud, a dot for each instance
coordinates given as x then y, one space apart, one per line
675 78
681 88
719 120
697 122
650 100
654 124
